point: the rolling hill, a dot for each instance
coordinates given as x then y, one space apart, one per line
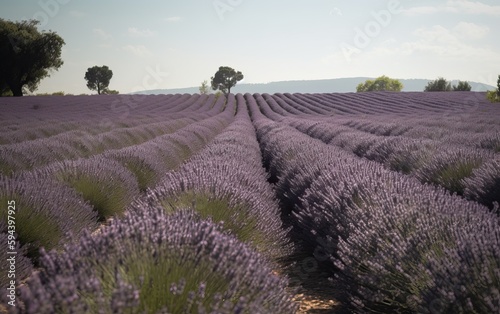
338 85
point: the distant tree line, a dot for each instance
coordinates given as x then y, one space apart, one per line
382 83
494 95
442 85
28 55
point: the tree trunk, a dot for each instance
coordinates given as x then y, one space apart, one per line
17 90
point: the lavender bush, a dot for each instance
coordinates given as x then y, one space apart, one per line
226 181
46 212
390 242
107 185
150 262
484 184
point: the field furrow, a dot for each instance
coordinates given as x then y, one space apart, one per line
252 203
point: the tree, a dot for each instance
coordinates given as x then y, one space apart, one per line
498 87
494 95
204 89
382 83
5 90
27 55
438 85
462 86
98 78
225 78
110 92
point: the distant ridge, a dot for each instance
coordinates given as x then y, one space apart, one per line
339 85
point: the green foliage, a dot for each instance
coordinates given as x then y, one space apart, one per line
145 175
105 204
61 93
382 83
225 78
98 78
492 96
498 87
217 95
237 218
462 86
451 176
108 197
110 92
438 85
28 55
170 268
204 89
34 229
5 90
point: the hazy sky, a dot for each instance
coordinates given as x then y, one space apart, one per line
173 44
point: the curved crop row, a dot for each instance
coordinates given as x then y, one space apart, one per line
149 262
391 243
449 166
56 202
226 181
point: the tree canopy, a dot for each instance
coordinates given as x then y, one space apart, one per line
494 95
26 55
462 86
98 78
382 83
438 85
225 78
498 87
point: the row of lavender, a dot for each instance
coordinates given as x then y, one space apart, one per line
459 119
205 239
57 202
88 139
390 243
468 171
373 103
456 152
47 116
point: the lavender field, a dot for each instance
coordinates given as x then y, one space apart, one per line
366 202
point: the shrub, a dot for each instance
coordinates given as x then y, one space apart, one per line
226 181
484 183
382 83
450 166
438 85
462 86
46 212
151 262
144 161
492 96
107 185
391 243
